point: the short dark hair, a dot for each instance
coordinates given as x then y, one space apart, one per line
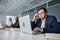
45 10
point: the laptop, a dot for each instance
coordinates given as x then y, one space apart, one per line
25 25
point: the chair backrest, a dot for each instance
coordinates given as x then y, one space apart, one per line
1 26
58 22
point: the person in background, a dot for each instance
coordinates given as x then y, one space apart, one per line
44 23
16 25
9 23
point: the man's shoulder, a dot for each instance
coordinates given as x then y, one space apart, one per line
49 16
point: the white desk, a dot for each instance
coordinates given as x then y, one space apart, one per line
17 35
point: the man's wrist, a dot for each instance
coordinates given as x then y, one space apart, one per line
42 29
33 20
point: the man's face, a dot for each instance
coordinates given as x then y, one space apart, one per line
41 14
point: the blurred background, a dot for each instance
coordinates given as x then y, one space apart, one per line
12 8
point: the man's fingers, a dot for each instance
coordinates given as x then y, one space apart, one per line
35 30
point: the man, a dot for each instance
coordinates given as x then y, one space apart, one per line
44 23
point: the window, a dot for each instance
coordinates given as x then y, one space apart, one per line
31 10
24 13
44 5
53 2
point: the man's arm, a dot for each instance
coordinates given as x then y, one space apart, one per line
33 25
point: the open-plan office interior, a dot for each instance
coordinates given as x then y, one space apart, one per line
12 10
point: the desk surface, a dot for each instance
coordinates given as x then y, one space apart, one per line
15 34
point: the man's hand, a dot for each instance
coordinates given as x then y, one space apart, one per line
37 29
41 30
35 16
